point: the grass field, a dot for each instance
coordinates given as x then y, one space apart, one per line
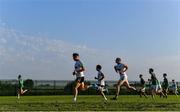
88 103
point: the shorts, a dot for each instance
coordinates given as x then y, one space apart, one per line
123 77
102 83
165 87
20 87
100 87
143 89
156 88
80 79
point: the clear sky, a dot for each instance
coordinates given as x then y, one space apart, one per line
145 33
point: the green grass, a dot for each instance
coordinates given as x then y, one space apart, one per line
88 103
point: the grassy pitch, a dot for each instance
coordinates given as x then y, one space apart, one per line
88 103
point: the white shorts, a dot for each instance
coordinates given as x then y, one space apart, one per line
142 89
156 88
123 77
102 83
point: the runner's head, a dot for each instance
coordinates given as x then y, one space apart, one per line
19 76
151 70
140 76
98 67
75 56
173 80
164 75
118 60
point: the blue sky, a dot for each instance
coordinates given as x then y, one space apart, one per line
137 30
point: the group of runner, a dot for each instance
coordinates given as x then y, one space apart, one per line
120 69
156 87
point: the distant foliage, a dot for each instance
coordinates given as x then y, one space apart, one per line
5 86
69 88
29 84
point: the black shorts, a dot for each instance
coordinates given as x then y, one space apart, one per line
100 85
80 79
20 87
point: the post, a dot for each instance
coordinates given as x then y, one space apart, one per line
54 87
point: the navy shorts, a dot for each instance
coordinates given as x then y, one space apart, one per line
80 79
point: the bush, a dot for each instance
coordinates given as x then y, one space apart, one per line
29 84
69 88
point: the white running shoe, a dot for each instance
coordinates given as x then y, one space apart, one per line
18 96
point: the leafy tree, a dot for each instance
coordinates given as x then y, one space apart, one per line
29 84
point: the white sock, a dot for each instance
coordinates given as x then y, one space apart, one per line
18 96
105 98
75 99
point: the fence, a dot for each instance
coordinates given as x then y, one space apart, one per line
56 87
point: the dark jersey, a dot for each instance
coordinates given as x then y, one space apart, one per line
165 83
142 82
153 79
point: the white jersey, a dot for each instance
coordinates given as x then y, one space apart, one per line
120 67
78 65
100 76
174 85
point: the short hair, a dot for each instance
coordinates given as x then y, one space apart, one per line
19 76
99 67
75 54
164 74
140 75
151 70
118 59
